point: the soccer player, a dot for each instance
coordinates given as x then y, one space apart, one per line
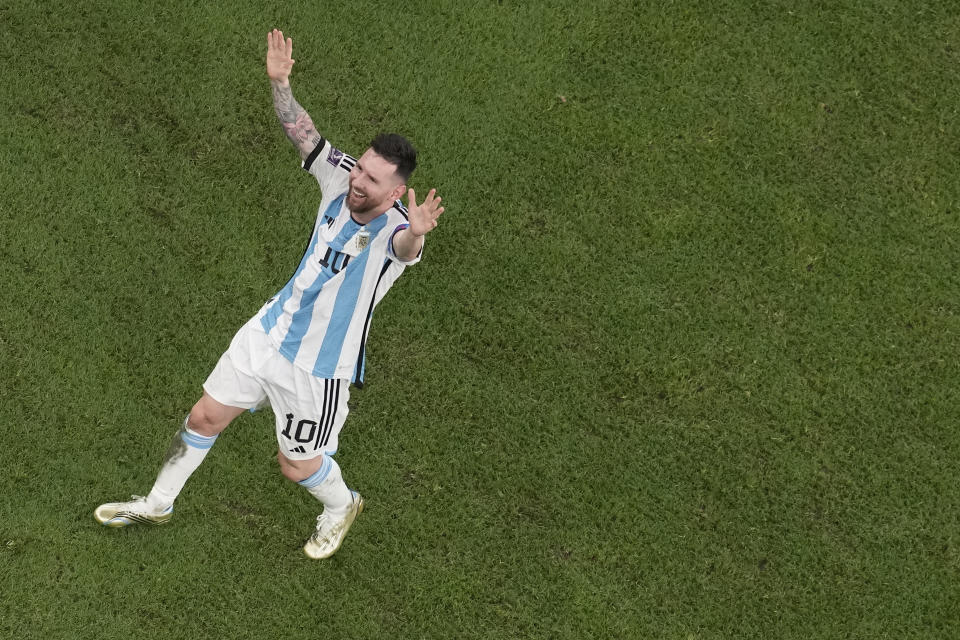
305 346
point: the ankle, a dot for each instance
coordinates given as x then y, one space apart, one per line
157 502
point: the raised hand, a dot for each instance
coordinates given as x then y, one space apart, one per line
279 56
423 216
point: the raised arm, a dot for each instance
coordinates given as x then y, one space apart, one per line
408 242
295 120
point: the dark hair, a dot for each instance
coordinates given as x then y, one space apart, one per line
398 151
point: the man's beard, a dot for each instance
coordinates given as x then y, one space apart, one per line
360 209
359 205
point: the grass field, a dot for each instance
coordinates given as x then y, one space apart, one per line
680 361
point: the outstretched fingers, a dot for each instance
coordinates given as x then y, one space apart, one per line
428 211
433 203
275 42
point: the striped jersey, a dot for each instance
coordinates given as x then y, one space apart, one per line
320 320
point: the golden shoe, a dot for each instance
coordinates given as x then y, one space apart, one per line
330 532
122 514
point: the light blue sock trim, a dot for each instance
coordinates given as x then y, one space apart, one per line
320 475
195 440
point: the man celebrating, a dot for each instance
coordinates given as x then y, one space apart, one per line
305 346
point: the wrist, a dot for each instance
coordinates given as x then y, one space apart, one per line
406 240
280 83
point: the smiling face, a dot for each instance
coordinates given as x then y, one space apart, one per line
374 185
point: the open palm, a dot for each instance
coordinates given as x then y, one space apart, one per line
423 217
279 56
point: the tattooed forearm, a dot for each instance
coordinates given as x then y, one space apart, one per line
295 120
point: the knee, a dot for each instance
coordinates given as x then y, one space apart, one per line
202 421
297 470
289 471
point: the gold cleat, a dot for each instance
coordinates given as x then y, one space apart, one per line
330 533
123 514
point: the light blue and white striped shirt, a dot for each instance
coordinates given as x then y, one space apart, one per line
321 318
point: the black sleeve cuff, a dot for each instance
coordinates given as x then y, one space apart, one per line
308 161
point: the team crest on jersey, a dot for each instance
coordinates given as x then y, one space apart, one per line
335 156
363 238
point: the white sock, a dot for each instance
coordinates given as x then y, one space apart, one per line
327 486
187 451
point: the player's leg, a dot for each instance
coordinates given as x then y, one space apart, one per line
209 417
309 413
341 506
228 391
322 478
188 448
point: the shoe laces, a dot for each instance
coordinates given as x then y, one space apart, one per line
138 504
322 523
327 527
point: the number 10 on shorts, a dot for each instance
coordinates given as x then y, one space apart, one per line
307 431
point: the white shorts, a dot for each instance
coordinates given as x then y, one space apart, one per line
309 410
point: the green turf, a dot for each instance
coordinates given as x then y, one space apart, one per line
680 361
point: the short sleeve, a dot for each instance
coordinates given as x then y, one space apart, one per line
328 164
393 256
